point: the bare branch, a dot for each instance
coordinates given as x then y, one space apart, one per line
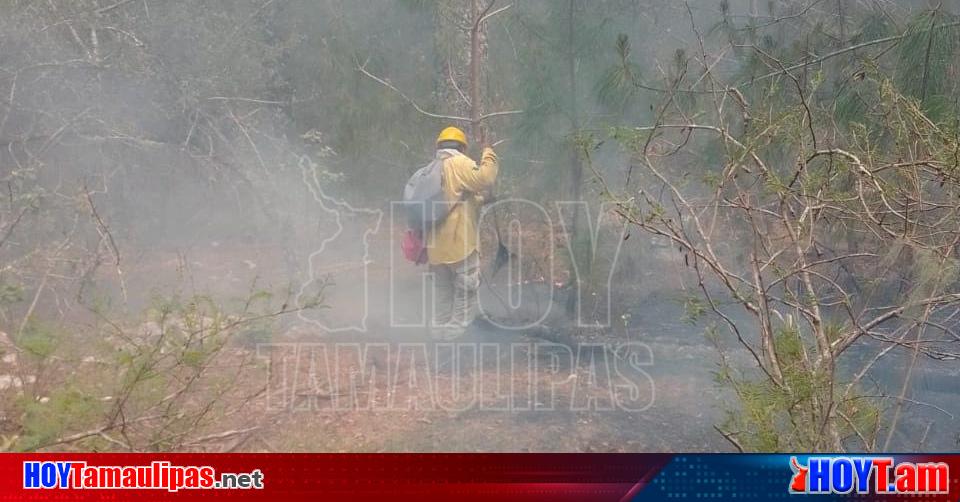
494 13
409 100
247 100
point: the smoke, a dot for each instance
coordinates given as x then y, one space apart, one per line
228 147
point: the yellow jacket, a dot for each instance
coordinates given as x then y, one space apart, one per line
456 236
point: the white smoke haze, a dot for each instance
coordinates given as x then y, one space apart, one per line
199 206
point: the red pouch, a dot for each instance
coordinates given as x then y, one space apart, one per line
412 247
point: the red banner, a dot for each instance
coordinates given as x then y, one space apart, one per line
292 477
500 477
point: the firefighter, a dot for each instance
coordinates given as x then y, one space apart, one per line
452 245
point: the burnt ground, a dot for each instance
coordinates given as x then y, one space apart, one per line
679 398
553 399
561 402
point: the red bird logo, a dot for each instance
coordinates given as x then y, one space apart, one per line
799 481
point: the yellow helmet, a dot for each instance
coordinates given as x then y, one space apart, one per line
452 134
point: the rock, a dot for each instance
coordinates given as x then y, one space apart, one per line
8 381
13 381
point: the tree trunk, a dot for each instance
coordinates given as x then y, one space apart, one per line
452 56
576 168
575 175
476 56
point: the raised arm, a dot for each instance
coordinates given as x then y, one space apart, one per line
478 178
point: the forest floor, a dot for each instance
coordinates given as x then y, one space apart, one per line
564 400
499 407
679 399
676 407
555 399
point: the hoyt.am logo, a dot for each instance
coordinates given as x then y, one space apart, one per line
878 475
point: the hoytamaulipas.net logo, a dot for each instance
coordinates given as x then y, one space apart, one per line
861 475
159 475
